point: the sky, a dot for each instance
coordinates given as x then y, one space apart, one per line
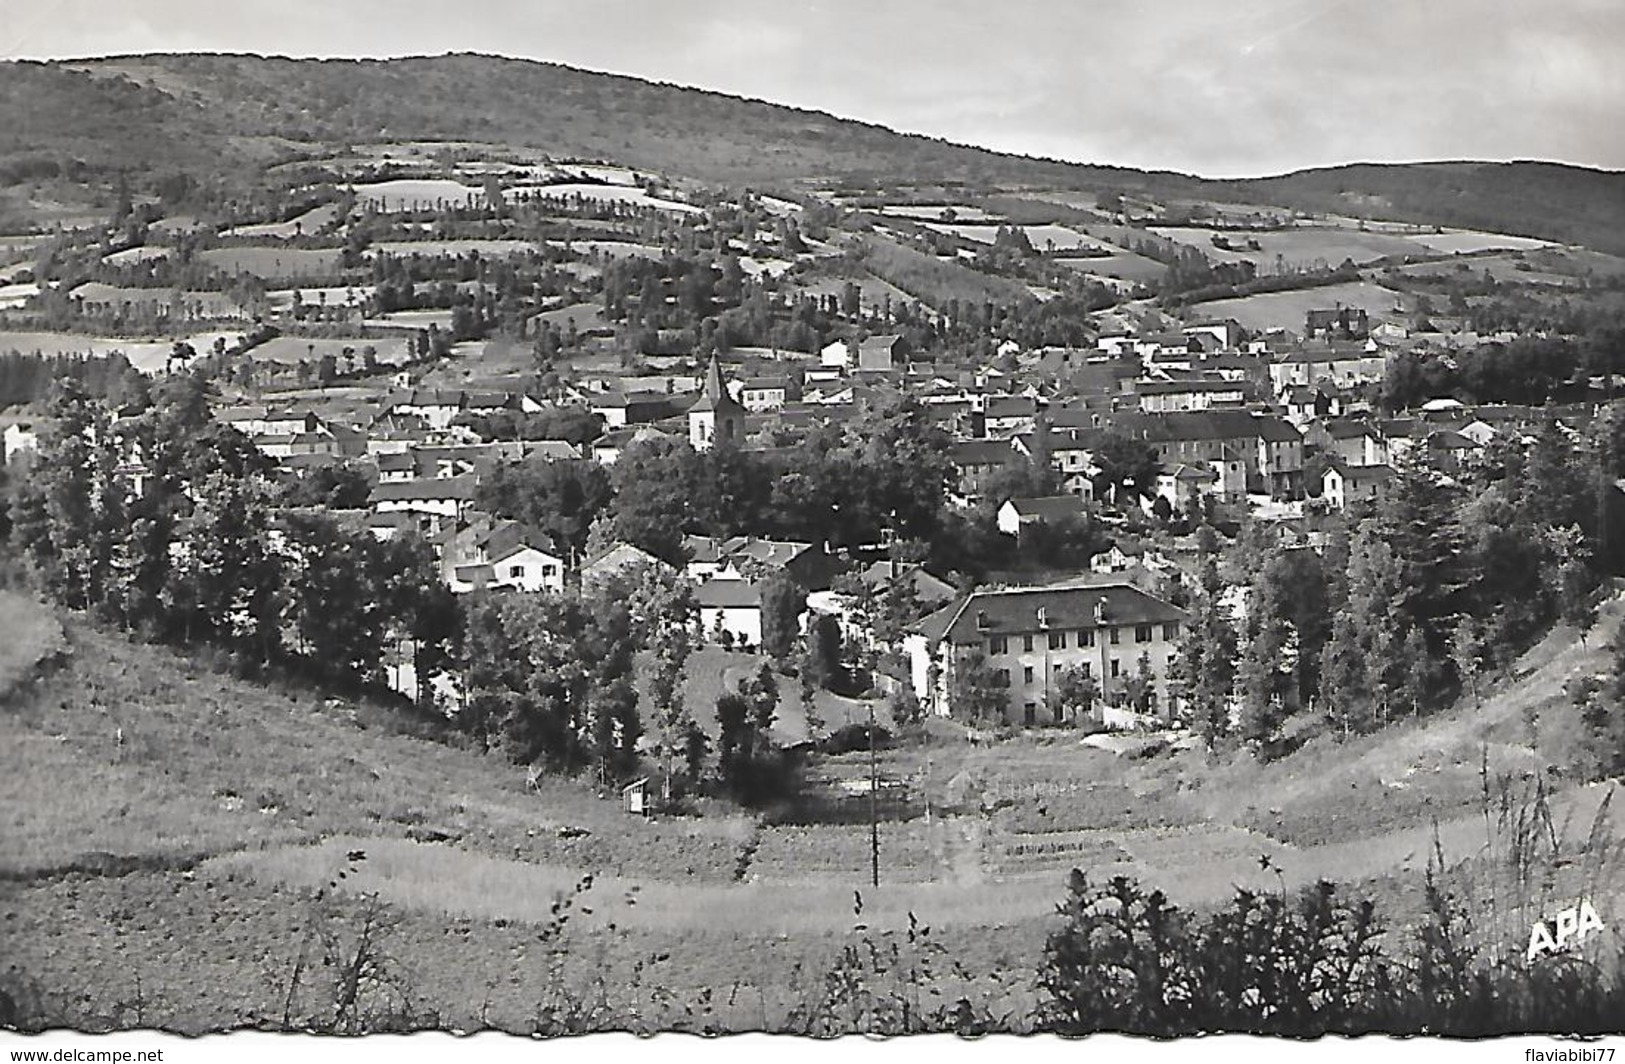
1220 88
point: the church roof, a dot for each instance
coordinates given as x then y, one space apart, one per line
714 394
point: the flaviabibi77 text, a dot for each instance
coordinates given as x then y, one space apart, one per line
1577 1055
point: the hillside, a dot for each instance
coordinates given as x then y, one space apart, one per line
209 115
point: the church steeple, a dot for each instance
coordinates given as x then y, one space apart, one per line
715 415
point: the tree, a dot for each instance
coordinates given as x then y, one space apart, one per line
1205 665
1141 686
1569 579
821 659
783 601
1125 465
977 694
561 499
1466 654
1073 696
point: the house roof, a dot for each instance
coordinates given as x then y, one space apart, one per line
619 558
459 488
928 587
1049 507
1016 611
727 594
983 452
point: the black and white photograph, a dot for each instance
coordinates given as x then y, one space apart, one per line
562 518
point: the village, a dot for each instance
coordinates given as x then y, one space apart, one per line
493 545
419 368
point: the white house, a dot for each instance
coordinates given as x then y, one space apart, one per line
1342 484
20 438
733 607
1031 636
520 567
835 355
1017 514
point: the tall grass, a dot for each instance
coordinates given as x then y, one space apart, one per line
1323 959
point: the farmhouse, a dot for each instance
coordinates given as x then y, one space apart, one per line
433 501
1161 397
608 448
881 353
1342 484
621 560
1017 514
1029 636
730 611
978 461
768 393
20 438
504 555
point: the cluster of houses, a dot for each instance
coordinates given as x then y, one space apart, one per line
1263 425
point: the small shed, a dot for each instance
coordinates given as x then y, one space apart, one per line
635 796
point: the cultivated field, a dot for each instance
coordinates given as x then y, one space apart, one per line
1120 265
633 196
274 263
1308 246
291 350
148 356
307 224
1287 310
414 195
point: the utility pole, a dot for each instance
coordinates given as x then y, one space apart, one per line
874 822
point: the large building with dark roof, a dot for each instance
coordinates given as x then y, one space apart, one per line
1030 636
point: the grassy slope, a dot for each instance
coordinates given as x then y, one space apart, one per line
211 114
29 633
277 788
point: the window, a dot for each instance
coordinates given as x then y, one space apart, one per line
1142 633
516 572
1003 676
1116 668
1027 674
998 645
1057 640
1029 713
1170 631
1086 637
550 570
1112 635
1027 643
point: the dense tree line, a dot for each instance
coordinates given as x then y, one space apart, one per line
167 524
1441 580
27 378
1529 369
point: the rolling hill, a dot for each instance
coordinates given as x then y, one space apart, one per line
214 116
